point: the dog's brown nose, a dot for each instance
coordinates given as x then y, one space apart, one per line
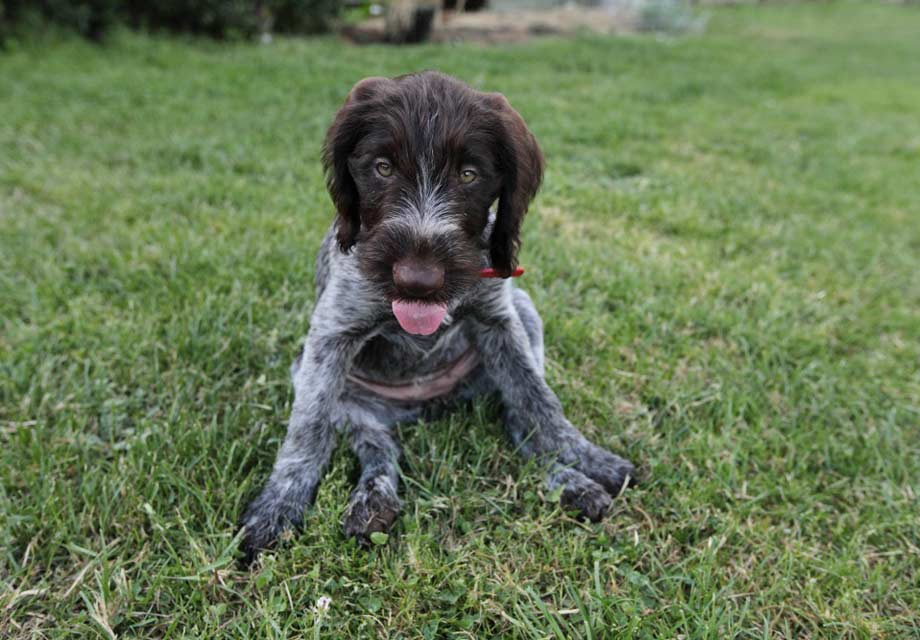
418 279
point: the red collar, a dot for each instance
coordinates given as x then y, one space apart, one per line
492 273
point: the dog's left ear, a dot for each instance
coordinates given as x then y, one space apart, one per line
349 126
521 164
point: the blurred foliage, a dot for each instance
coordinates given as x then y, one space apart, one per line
668 16
303 16
90 18
215 18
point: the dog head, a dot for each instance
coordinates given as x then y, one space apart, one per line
413 165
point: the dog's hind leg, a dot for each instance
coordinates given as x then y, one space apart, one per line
588 475
533 325
374 503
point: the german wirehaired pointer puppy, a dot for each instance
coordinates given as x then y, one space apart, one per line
404 322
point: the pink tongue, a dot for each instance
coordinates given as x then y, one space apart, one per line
421 318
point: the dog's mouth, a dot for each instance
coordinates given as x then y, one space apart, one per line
422 277
419 318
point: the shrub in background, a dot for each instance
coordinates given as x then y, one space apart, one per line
89 18
214 18
303 16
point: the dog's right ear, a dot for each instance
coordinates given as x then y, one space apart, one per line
521 163
347 129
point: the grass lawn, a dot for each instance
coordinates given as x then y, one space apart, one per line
725 252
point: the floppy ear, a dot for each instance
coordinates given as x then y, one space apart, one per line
347 129
521 164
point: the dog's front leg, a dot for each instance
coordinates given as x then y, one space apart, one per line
587 474
374 504
318 379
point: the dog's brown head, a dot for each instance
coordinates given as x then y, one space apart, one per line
413 164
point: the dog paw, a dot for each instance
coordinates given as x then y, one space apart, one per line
610 471
590 503
264 521
580 493
259 535
373 508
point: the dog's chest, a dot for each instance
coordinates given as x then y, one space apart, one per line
394 357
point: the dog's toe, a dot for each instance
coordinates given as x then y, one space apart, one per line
272 513
262 530
373 508
610 471
589 502
580 493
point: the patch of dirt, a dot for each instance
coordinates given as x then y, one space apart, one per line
502 27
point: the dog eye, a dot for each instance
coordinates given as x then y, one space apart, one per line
467 176
384 168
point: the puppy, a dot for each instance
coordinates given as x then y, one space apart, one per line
404 322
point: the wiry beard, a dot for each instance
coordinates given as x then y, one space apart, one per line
381 247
